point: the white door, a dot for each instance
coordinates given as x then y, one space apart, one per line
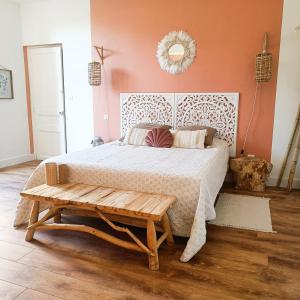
47 100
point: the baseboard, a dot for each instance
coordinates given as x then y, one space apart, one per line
272 181
16 160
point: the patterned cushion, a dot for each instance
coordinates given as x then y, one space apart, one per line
159 137
148 126
135 136
210 132
189 139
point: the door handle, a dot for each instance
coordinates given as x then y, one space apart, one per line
61 113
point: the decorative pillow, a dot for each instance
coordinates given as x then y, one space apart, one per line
135 136
151 125
190 139
159 137
148 126
210 132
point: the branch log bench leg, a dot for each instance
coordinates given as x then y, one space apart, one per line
167 228
57 217
151 240
34 216
102 202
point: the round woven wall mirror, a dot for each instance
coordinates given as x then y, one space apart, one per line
176 52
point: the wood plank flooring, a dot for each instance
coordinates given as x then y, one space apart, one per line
233 264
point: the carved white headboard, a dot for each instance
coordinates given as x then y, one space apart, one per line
217 110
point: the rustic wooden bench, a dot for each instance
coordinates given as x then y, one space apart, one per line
103 202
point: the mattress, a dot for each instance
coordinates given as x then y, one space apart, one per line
194 176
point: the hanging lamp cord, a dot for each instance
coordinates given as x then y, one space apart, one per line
251 118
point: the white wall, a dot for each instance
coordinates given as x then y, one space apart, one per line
288 89
66 22
14 139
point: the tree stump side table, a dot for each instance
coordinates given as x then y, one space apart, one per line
250 173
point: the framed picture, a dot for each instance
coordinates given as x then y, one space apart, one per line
6 84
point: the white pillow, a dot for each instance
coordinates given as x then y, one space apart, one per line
135 136
190 139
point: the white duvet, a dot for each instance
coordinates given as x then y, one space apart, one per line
194 176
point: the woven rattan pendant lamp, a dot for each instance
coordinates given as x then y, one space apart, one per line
263 73
94 69
263 63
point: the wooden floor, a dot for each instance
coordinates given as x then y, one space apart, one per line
234 264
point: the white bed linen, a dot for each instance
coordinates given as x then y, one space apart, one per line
194 176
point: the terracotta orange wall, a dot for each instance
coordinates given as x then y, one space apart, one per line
228 34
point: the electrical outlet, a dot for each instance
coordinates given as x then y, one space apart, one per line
105 116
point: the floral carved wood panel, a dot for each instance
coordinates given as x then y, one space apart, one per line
219 111
146 108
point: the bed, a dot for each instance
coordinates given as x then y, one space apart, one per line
194 176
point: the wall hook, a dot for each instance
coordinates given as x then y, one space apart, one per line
100 51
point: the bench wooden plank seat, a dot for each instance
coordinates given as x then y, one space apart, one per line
103 202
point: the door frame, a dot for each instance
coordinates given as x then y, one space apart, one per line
28 95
